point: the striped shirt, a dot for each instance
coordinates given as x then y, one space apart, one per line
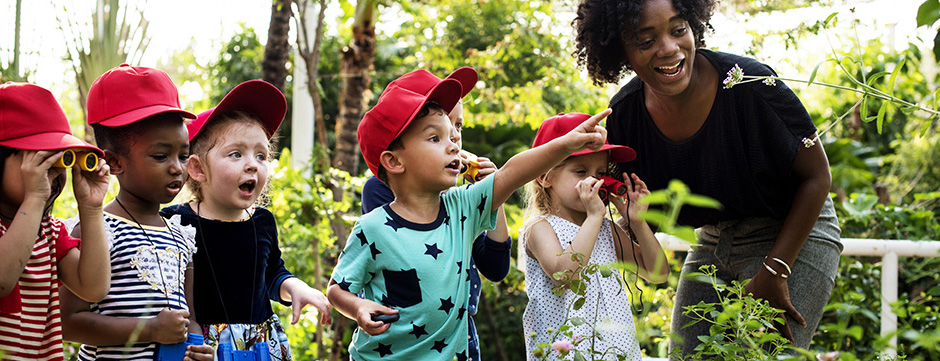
30 323
148 267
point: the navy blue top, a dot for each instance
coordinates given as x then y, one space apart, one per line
225 252
742 155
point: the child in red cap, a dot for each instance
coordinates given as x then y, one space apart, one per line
565 215
138 121
491 249
410 258
239 269
34 136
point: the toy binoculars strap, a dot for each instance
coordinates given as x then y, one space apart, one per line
611 185
472 168
87 160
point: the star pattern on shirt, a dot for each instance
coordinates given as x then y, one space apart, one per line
375 250
482 205
344 285
439 346
468 275
462 356
383 349
462 218
459 267
432 251
460 312
418 331
392 223
447 219
362 238
446 305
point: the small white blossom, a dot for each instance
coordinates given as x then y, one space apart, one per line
807 142
735 76
770 81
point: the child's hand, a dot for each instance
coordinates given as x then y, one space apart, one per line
199 353
91 187
486 167
633 195
589 134
169 327
587 190
364 318
38 174
308 296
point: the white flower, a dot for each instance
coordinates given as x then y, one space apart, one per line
735 76
770 81
807 142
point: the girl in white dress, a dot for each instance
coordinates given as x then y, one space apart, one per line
566 216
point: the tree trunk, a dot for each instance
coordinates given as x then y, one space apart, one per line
355 96
277 53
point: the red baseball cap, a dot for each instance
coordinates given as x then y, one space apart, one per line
396 108
422 81
31 119
257 97
126 94
562 123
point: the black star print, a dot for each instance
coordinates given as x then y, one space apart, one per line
459 267
418 331
482 205
447 219
463 218
383 349
439 346
371 275
344 285
375 250
392 223
460 313
385 300
462 356
432 251
446 305
362 238
468 275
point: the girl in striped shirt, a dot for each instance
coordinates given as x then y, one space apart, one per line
36 253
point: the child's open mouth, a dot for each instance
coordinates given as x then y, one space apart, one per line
671 70
248 187
454 166
175 186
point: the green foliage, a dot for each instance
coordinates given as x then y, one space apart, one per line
239 61
302 202
742 328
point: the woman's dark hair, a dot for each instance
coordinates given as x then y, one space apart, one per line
602 27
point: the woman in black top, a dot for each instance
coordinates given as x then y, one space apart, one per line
745 146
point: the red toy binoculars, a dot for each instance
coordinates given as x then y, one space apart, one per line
611 185
86 160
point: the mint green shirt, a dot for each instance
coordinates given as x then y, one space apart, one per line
422 270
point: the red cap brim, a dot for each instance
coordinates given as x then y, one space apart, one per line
141 113
618 153
49 141
257 97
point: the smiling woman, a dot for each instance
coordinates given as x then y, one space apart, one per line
742 147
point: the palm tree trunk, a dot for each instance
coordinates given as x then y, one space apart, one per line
277 53
355 96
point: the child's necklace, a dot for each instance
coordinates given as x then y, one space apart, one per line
156 254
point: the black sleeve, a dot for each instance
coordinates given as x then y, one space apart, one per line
492 257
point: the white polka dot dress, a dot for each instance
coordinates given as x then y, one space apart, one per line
606 296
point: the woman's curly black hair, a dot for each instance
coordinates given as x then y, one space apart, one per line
602 26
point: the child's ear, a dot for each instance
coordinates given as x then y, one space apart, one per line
196 168
114 162
543 181
391 162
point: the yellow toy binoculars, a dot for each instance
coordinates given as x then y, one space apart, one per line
472 168
87 160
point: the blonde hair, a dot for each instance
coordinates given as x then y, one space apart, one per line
209 137
539 201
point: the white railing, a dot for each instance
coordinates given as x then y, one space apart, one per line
888 249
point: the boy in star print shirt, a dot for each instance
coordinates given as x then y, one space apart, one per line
411 257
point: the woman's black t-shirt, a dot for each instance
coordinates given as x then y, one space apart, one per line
742 155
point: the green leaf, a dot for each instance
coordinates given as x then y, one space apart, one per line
881 115
577 321
874 77
578 303
936 46
702 201
894 75
928 13
830 17
578 356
